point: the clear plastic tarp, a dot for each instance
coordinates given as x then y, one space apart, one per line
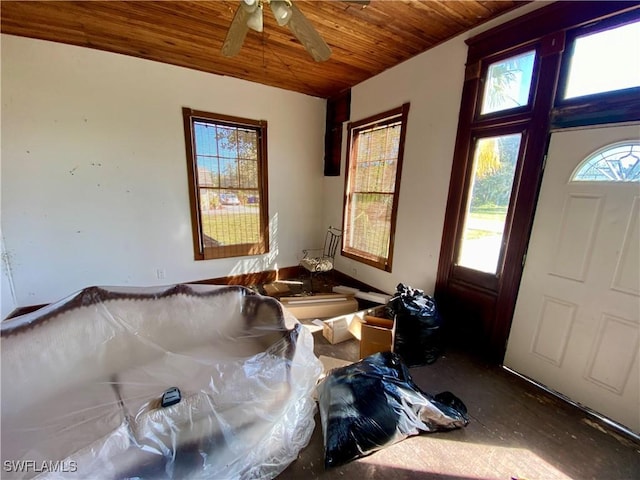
83 381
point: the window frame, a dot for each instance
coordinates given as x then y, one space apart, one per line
504 122
353 128
596 108
513 111
473 304
459 272
202 252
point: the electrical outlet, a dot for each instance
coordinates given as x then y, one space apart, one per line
354 271
160 273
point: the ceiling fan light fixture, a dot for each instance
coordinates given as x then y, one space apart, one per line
282 11
255 21
249 5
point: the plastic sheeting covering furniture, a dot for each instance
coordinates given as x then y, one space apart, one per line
82 381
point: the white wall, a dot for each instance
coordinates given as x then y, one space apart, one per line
94 182
94 188
432 82
8 299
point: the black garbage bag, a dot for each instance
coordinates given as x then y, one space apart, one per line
374 403
418 336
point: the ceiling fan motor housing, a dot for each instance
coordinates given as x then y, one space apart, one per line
249 16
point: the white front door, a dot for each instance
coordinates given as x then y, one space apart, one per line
576 327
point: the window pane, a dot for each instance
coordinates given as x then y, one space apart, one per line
208 174
227 138
370 225
615 163
230 217
376 160
247 144
374 164
230 200
248 173
508 83
605 61
229 173
494 166
206 142
206 154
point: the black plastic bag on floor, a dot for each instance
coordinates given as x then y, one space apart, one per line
418 336
374 403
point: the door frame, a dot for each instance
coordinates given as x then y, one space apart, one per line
479 307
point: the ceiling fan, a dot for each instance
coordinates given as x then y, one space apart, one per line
249 16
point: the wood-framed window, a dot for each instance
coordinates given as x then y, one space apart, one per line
498 134
372 187
227 174
493 177
478 293
599 80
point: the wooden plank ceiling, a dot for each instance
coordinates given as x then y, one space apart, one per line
365 40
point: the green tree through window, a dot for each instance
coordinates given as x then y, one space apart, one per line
494 167
508 83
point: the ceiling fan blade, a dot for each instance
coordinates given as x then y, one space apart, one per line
236 34
304 31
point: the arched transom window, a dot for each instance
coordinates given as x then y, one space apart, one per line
619 162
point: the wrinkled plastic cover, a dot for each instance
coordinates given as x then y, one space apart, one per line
374 403
82 381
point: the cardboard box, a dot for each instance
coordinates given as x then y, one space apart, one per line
336 331
356 320
276 288
375 338
377 335
320 306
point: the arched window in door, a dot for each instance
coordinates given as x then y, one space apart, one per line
619 162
